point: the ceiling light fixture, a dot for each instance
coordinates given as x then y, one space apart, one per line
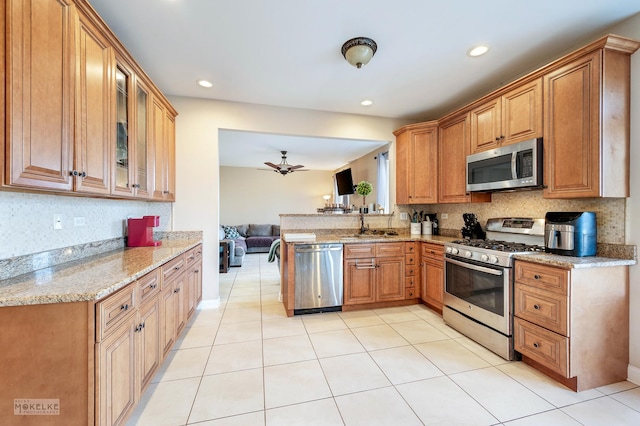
366 102
359 51
205 83
478 50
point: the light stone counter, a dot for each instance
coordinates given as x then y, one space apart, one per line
90 278
354 237
574 262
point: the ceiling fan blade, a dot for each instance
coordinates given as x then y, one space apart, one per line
299 166
270 164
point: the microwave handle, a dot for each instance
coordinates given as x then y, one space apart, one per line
514 165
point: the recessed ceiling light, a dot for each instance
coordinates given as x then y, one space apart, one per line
366 102
205 83
478 50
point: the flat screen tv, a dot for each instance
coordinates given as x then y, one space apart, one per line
344 180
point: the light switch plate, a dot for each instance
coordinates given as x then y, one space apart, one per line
57 221
404 216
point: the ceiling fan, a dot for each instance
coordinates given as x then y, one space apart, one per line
283 168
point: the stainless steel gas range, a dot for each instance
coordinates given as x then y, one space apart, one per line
478 294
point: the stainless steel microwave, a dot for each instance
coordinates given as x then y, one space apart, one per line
514 166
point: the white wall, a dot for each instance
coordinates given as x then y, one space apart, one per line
197 184
366 168
248 195
631 28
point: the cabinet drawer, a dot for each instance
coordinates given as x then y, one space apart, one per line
149 285
172 268
412 293
411 282
433 251
543 308
410 270
114 309
358 251
411 259
411 248
193 255
541 276
389 249
546 347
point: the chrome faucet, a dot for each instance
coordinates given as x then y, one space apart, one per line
363 229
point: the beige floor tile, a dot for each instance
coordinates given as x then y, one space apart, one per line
182 364
440 325
353 373
617 387
251 419
269 299
283 327
379 337
321 412
238 332
234 357
245 291
334 343
441 401
243 301
228 394
499 394
273 312
284 350
365 318
294 383
548 418
319 323
253 313
195 337
376 407
484 353
545 387
393 315
206 318
404 364
165 403
270 289
630 398
450 357
418 331
603 411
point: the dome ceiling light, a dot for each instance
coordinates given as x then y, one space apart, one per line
359 51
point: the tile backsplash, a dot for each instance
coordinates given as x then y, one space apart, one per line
610 212
26 220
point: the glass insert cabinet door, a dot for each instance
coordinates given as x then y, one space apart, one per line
122 129
142 160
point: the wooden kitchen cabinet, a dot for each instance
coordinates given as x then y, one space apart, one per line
417 164
586 123
373 273
512 117
411 270
573 324
65 118
163 136
193 260
149 354
432 275
173 304
453 148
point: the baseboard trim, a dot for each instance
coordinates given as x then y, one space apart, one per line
633 374
209 304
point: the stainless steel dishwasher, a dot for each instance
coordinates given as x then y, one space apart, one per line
318 285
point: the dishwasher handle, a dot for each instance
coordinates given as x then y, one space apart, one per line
317 249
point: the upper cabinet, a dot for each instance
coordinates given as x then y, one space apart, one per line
586 123
78 110
512 117
417 164
163 130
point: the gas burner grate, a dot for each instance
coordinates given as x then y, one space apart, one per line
505 246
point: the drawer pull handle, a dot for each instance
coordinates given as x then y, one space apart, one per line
176 290
124 307
536 345
153 286
536 307
197 270
176 268
536 276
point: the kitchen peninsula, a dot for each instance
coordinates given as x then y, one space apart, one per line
88 335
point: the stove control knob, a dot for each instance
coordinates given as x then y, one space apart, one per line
468 254
454 250
493 259
484 258
448 249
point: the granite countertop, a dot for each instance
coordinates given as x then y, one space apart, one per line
573 262
354 237
90 278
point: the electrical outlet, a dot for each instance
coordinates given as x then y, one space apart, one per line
57 221
78 221
404 216
444 216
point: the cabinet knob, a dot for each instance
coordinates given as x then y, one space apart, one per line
73 173
176 290
536 345
83 174
536 307
536 277
497 138
124 307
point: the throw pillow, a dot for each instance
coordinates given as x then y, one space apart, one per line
259 230
230 232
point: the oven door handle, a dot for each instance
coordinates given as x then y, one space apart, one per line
474 267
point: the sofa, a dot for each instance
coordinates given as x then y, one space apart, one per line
248 238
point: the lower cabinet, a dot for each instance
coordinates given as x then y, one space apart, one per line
373 273
432 275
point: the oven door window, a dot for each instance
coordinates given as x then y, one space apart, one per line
477 284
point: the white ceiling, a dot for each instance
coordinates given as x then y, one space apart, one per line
287 52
